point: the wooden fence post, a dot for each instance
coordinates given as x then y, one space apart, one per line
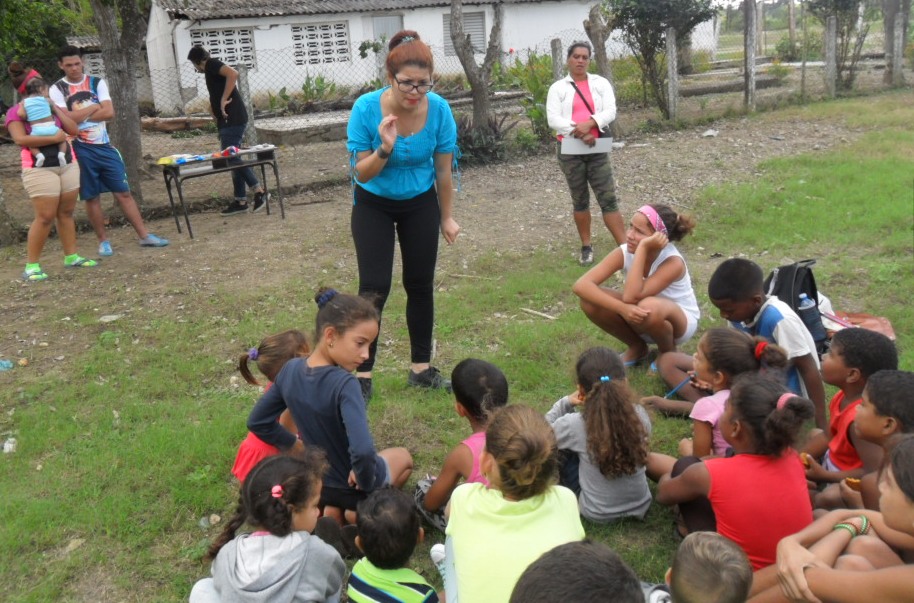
672 72
897 65
749 51
557 63
250 133
831 56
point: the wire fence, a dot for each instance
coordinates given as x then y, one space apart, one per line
296 101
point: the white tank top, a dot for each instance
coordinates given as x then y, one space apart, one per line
679 291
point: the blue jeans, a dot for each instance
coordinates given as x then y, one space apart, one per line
230 136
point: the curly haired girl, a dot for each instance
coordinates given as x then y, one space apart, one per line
605 445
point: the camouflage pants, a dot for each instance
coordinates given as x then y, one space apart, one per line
595 170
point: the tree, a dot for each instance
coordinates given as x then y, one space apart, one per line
478 76
121 50
19 22
643 24
852 32
599 26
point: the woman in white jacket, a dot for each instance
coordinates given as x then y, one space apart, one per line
581 105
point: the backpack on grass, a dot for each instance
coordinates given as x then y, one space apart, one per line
793 281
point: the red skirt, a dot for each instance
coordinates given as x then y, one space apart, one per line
252 451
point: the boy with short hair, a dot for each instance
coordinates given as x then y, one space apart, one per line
388 533
737 289
885 413
709 568
583 572
854 356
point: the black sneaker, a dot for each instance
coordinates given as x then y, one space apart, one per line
430 378
586 255
365 384
235 208
260 199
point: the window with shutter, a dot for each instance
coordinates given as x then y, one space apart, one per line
474 24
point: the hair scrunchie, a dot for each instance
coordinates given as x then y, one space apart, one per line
253 354
759 349
325 297
277 491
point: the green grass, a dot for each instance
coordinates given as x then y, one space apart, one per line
129 445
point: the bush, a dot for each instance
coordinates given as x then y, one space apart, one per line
627 82
534 76
788 53
526 142
485 144
778 71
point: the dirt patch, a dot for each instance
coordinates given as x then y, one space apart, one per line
515 207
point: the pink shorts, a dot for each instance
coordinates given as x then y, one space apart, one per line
50 181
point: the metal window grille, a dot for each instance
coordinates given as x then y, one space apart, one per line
231 46
94 63
318 43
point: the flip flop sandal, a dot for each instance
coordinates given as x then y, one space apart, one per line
34 276
82 263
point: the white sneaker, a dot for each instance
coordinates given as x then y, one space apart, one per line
438 555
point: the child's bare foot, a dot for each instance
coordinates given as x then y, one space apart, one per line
668 407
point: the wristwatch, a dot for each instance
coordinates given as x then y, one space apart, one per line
382 154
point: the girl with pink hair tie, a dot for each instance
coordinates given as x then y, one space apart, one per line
656 303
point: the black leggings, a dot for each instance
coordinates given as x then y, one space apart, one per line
415 223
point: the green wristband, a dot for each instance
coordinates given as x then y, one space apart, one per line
848 527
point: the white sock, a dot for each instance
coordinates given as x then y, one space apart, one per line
39 159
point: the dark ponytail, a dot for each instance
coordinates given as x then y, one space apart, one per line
769 411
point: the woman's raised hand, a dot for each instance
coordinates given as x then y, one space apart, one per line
387 130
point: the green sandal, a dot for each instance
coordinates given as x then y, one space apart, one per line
34 275
80 262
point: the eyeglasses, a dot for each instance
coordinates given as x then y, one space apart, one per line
407 86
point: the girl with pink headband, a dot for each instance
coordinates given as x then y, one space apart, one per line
656 303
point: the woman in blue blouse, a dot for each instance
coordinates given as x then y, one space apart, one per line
402 140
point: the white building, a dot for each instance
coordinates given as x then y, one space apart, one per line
283 43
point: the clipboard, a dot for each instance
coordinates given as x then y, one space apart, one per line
576 146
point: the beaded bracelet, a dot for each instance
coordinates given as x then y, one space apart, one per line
864 525
847 526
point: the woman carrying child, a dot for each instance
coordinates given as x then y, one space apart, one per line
656 303
326 403
606 444
851 556
270 356
52 189
759 495
495 532
280 560
479 388
36 109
